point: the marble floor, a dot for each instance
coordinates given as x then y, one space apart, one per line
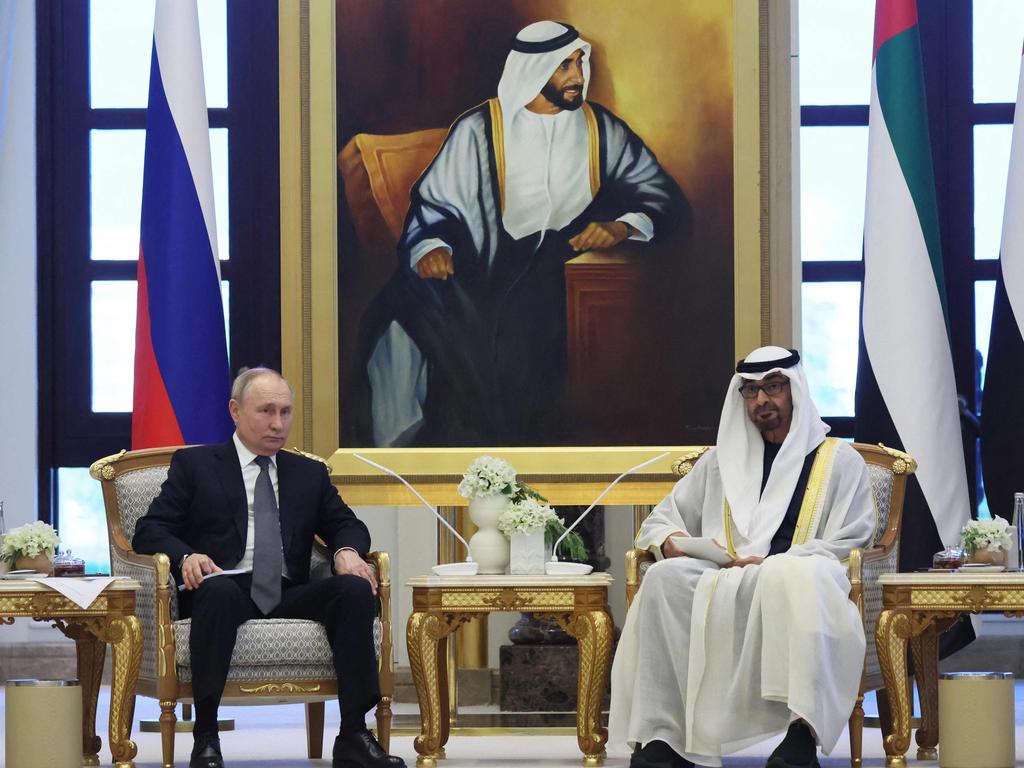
274 737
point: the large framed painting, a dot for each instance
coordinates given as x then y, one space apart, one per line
535 225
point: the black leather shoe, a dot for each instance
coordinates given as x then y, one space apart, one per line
206 753
658 754
361 750
797 750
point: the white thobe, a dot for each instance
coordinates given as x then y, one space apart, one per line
712 660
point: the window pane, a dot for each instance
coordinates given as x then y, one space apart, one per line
991 162
998 30
116 166
835 51
121 47
984 298
833 180
115 187
81 521
113 342
830 335
219 162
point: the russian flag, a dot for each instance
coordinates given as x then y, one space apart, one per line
182 381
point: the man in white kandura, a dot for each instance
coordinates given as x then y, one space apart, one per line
713 659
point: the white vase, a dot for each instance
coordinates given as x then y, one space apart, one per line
488 546
527 553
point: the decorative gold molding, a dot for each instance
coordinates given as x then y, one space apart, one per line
683 465
905 464
271 688
101 469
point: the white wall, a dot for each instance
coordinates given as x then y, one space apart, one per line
19 393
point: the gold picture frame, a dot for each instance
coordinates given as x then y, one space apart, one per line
766 254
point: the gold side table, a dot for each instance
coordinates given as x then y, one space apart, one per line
916 608
109 620
440 605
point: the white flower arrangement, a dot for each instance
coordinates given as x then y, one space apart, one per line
986 534
488 476
30 540
526 516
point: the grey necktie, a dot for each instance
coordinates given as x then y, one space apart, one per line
267 558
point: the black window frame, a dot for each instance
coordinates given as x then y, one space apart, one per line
70 433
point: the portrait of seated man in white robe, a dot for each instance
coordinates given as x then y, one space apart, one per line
714 658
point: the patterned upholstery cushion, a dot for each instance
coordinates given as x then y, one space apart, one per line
881 489
135 492
272 648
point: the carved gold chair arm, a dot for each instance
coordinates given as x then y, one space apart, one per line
855 571
634 559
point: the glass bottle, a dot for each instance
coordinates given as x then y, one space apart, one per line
1018 523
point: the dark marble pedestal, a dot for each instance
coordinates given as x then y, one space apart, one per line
540 678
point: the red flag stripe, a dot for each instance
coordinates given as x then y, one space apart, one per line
891 18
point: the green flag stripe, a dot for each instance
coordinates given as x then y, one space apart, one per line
900 83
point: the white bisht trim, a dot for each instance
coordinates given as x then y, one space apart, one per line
905 333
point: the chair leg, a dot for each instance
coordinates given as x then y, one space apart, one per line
383 718
857 732
167 721
315 730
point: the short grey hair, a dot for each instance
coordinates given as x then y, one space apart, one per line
246 376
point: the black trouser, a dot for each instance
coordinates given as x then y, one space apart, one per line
345 605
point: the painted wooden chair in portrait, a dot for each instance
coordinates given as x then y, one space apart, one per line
603 325
888 470
276 661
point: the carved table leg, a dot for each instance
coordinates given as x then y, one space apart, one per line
125 637
925 650
593 631
891 635
428 661
90 652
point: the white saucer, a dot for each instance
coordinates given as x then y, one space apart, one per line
567 569
981 568
456 569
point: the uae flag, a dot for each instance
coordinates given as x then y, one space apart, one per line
1002 413
181 361
906 395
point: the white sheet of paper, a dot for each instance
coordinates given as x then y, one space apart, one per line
703 548
231 572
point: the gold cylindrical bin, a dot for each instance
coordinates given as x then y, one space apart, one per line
976 720
43 724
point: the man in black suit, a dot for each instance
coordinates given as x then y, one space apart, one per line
218 509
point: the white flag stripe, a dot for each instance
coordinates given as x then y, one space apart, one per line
1011 252
905 333
176 38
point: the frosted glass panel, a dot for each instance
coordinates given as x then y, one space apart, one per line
121 48
833 179
830 336
115 184
113 342
991 163
835 51
998 34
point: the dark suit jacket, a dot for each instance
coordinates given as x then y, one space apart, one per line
202 508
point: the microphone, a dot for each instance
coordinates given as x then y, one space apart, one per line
555 568
468 568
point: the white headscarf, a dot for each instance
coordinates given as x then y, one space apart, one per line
740 449
527 73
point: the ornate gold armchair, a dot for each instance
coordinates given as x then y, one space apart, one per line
276 661
888 470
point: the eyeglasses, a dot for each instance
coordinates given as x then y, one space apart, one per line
772 388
